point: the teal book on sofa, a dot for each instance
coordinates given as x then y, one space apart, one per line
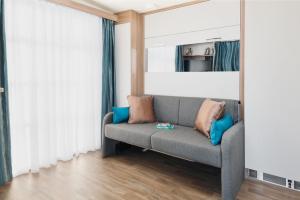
190 144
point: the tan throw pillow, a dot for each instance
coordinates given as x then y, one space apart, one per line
141 109
208 111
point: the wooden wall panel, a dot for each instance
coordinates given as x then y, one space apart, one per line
136 21
242 58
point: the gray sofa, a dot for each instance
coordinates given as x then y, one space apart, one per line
184 142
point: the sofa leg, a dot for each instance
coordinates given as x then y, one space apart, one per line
108 147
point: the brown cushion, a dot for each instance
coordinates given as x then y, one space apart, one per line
141 109
208 111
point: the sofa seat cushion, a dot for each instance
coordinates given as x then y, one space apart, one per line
135 134
185 142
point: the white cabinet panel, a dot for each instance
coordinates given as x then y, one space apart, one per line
202 16
224 33
196 84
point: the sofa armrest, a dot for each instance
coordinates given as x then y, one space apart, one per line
107 119
233 160
108 145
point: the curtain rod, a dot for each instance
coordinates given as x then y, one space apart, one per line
85 8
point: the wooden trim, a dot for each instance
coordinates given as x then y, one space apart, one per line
85 8
242 58
140 55
163 9
96 4
125 16
136 21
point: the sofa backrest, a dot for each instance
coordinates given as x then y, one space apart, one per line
183 110
166 108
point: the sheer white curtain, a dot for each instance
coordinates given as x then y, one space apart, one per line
54 70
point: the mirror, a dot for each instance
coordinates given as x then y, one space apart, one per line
201 57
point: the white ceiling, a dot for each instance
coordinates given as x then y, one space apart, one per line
137 5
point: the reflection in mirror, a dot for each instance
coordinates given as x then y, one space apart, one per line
211 56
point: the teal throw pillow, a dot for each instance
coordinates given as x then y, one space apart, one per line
218 128
121 114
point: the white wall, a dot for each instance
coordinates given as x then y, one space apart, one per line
272 87
123 63
188 25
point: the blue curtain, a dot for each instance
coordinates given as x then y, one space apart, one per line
108 66
5 150
227 56
179 61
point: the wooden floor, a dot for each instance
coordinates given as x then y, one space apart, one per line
132 175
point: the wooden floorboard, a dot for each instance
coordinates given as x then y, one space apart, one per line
132 175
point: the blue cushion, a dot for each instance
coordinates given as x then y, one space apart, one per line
218 128
121 114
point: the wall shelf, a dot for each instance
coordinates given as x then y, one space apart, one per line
202 57
198 56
